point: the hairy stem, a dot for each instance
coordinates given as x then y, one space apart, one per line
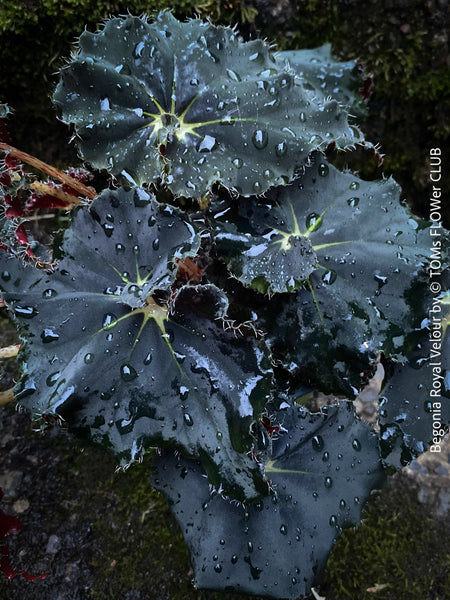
9 351
6 397
49 170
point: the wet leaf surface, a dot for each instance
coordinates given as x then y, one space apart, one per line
329 77
193 104
102 350
352 251
322 469
415 409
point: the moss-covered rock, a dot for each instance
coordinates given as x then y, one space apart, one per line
404 46
400 552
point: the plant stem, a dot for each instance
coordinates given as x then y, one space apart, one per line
9 351
49 170
58 193
6 397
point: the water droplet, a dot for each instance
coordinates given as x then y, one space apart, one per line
353 202
317 443
333 520
313 221
323 170
233 75
356 500
302 117
52 378
234 559
207 144
188 419
356 445
342 504
218 568
108 229
155 244
48 336
26 312
151 220
381 279
104 104
109 320
428 406
283 529
138 49
128 373
6 275
280 149
148 359
328 482
257 187
237 162
49 293
260 139
326 457
354 185
120 248
184 392
268 174
254 571
88 358
329 277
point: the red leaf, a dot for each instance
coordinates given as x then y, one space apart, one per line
271 429
21 234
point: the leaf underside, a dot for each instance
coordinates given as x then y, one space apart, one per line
193 104
322 470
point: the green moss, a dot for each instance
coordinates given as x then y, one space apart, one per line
399 546
403 45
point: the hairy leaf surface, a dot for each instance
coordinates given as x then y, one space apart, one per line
193 104
322 469
102 350
327 76
415 404
350 248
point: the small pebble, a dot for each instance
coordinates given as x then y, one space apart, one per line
21 505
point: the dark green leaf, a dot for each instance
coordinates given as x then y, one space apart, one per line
415 409
357 247
193 104
322 470
328 77
102 350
